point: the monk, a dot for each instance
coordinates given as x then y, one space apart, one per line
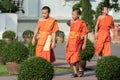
102 33
47 26
76 42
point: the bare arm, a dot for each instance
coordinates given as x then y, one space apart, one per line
53 37
66 44
96 27
113 25
53 40
84 43
97 24
85 39
35 33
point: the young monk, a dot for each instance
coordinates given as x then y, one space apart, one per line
76 42
102 33
47 26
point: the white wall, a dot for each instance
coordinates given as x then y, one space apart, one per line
57 9
2 24
25 25
8 22
31 8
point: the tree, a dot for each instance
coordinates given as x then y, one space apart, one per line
8 6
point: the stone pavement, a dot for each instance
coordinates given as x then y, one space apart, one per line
89 73
60 50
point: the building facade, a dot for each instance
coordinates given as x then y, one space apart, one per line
60 9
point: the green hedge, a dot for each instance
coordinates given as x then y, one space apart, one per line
15 52
60 34
28 34
36 69
32 48
89 52
2 44
9 34
108 68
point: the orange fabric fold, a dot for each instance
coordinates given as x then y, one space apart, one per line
43 37
74 41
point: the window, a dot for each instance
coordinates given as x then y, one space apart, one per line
19 3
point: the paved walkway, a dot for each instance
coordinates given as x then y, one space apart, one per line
60 50
89 73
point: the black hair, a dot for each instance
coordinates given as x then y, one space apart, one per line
46 8
103 7
78 11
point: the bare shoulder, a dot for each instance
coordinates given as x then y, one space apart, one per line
99 17
41 19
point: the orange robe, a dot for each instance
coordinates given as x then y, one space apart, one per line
77 30
104 39
46 28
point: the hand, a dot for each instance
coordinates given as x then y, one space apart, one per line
66 45
83 46
33 41
96 36
53 45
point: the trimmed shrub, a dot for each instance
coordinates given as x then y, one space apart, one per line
36 69
28 34
2 44
89 52
15 52
61 35
108 68
68 22
32 48
9 34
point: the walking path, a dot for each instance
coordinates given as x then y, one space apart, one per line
89 73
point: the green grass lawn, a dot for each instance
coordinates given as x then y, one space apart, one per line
62 70
4 72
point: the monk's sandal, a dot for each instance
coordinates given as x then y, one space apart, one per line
74 75
80 73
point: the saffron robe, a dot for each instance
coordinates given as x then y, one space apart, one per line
103 40
46 28
76 38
